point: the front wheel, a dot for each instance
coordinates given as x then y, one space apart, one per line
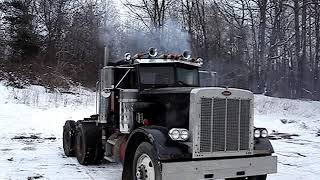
145 164
261 177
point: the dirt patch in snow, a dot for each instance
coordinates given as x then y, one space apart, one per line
32 137
35 177
278 135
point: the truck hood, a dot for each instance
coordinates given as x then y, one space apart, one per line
169 90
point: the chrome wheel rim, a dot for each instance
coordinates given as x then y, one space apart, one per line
145 168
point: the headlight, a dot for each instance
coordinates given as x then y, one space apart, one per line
257 133
264 133
174 134
260 133
177 134
184 134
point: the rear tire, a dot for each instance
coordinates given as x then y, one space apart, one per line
89 143
69 129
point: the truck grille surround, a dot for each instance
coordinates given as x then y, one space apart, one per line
223 127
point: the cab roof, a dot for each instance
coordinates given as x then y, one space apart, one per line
166 61
124 63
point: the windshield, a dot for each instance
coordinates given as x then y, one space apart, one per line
168 76
187 76
157 75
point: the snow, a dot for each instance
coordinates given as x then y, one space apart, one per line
33 112
299 157
31 123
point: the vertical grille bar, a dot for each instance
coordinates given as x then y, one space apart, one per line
244 125
218 140
232 125
239 114
206 127
211 150
226 126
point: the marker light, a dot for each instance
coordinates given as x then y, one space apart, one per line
186 55
127 56
153 52
200 61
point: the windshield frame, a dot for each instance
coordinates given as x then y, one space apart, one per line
175 82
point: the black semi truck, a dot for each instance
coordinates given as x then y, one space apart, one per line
155 118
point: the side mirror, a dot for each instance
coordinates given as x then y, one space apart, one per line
106 93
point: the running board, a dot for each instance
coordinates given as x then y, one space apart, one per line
110 159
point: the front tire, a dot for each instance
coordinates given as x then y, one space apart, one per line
69 130
260 177
145 165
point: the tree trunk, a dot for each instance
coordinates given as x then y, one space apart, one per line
262 45
317 49
302 62
297 45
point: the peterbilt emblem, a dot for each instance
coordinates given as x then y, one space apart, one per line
226 93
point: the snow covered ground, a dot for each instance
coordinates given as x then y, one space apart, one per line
299 157
31 123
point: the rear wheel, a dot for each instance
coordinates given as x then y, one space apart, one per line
88 144
145 164
69 129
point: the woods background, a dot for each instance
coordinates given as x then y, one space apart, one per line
266 46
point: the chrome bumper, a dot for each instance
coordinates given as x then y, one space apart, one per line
219 169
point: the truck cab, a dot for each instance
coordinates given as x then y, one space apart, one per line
154 116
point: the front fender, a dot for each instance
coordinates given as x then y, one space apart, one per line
166 148
263 146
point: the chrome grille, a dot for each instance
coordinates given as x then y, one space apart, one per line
224 125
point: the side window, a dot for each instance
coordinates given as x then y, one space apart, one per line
106 78
129 81
208 78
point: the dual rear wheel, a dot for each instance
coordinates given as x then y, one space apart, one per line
83 140
69 131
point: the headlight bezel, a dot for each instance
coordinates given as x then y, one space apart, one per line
263 133
183 134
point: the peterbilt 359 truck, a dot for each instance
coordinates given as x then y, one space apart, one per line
155 118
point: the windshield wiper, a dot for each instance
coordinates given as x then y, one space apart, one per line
185 84
160 86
